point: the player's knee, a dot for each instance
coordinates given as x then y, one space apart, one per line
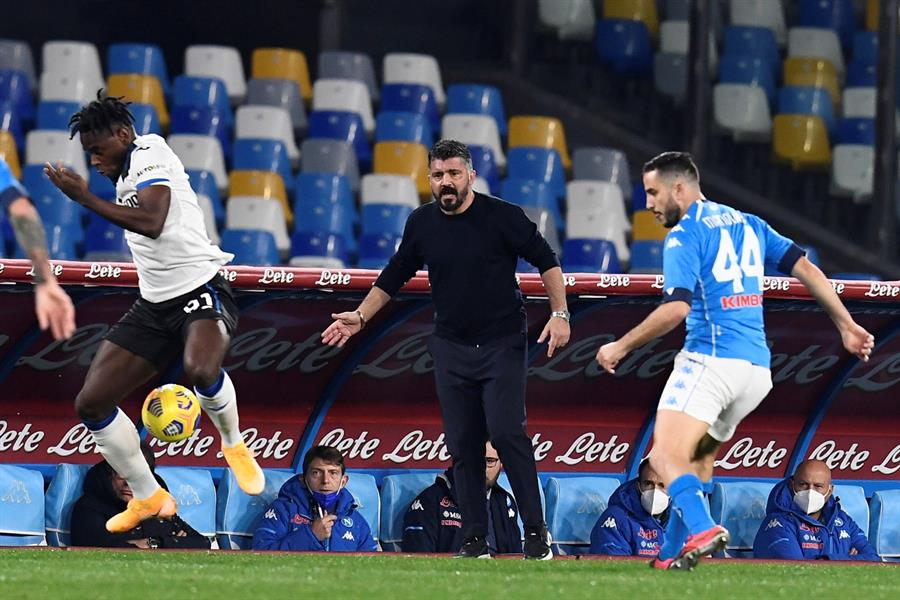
92 407
200 371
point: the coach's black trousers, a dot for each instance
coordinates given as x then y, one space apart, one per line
481 390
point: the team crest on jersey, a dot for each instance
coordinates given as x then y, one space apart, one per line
299 519
648 534
347 522
446 502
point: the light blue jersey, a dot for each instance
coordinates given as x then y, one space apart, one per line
714 259
10 188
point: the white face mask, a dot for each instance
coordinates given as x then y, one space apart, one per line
809 501
654 501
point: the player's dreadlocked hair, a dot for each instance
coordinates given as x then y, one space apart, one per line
103 114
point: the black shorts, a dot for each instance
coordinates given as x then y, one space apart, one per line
156 330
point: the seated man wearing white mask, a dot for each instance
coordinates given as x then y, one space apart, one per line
634 521
804 521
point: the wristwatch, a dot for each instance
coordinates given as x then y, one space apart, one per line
562 314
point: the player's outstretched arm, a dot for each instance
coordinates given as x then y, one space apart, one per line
661 321
347 324
556 329
856 339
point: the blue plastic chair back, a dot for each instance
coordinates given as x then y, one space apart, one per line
203 91
830 14
314 188
105 241
323 216
9 121
21 506
15 89
251 247
385 218
53 206
523 266
409 97
856 131
202 120
805 100
573 506
61 241
195 495
376 249
101 186
861 73
473 98
237 513
646 256
344 126
884 527
397 493
865 47
853 500
326 244
753 42
64 490
590 256
264 155
204 183
55 114
146 59
748 70
395 126
741 508
538 164
528 192
625 44
368 502
485 164
145 119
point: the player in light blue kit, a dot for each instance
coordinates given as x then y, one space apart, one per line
713 264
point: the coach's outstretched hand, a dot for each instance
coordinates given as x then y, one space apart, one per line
858 341
345 325
558 331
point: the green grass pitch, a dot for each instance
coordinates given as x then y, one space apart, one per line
51 574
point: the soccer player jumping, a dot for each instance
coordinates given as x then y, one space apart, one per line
713 264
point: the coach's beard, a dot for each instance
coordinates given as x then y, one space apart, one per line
453 202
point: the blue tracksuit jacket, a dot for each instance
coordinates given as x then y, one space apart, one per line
625 528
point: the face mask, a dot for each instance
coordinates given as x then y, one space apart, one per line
654 501
809 501
327 500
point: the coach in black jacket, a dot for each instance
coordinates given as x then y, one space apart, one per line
433 522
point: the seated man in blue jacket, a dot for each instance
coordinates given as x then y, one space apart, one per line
804 521
433 522
314 512
635 518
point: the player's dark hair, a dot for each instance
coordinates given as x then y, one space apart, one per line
327 454
668 164
106 113
446 149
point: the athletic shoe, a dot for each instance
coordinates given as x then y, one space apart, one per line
673 564
161 504
537 544
248 474
474 547
703 544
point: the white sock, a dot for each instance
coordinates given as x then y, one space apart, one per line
221 408
120 445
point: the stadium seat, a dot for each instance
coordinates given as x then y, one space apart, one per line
279 93
249 212
481 185
376 249
421 69
261 184
282 63
251 247
61 242
670 74
53 147
209 219
268 123
9 153
546 224
397 493
749 42
830 14
638 196
202 120
204 91
573 506
471 98
403 158
21 507
486 166
674 38
68 88
530 192
625 44
395 126
812 72
808 101
590 256
331 156
344 95
603 164
634 10
853 501
105 241
859 102
476 130
862 74
856 131
801 141
865 47
16 55
542 132
223 62
871 18
740 507
596 211
9 121
318 249
325 217
237 512
315 188
414 98
570 19
385 218
204 184
145 119
345 126
852 170
645 227
55 114
62 493
748 70
381 188
884 529
341 64
142 89
202 153
646 257
77 60
195 496
760 13
813 42
368 502
538 164
16 90
264 155
523 266
53 206
143 59
742 111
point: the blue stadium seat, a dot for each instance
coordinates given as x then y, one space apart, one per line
573 506
146 59
802 100
323 216
409 97
314 188
638 196
365 492
385 218
321 244
376 249
145 119
861 73
105 241
395 126
884 529
204 184
251 247
523 266
237 512
15 89
21 507
590 256
853 501
195 495
485 164
741 508
202 120
646 256
624 44
397 493
264 155
854 276
64 490
54 207
754 42
856 131
748 70
101 186
830 14
203 91
344 126
527 192
865 46
61 242
9 121
55 114
538 164
477 99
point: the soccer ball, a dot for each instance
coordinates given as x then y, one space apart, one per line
171 412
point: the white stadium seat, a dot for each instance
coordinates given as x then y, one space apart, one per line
474 130
77 60
384 188
742 111
268 123
201 152
55 146
815 42
223 62
345 95
68 87
859 102
596 211
403 67
852 170
266 214
760 13
571 19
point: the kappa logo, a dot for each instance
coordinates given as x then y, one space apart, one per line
16 493
348 535
609 523
844 535
677 228
417 505
673 243
187 496
270 514
773 523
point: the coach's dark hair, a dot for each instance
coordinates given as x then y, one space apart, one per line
106 113
673 163
445 149
328 454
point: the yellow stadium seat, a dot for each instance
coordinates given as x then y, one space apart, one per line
403 158
802 142
645 227
634 10
260 184
141 89
813 72
872 9
9 153
283 63
543 132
